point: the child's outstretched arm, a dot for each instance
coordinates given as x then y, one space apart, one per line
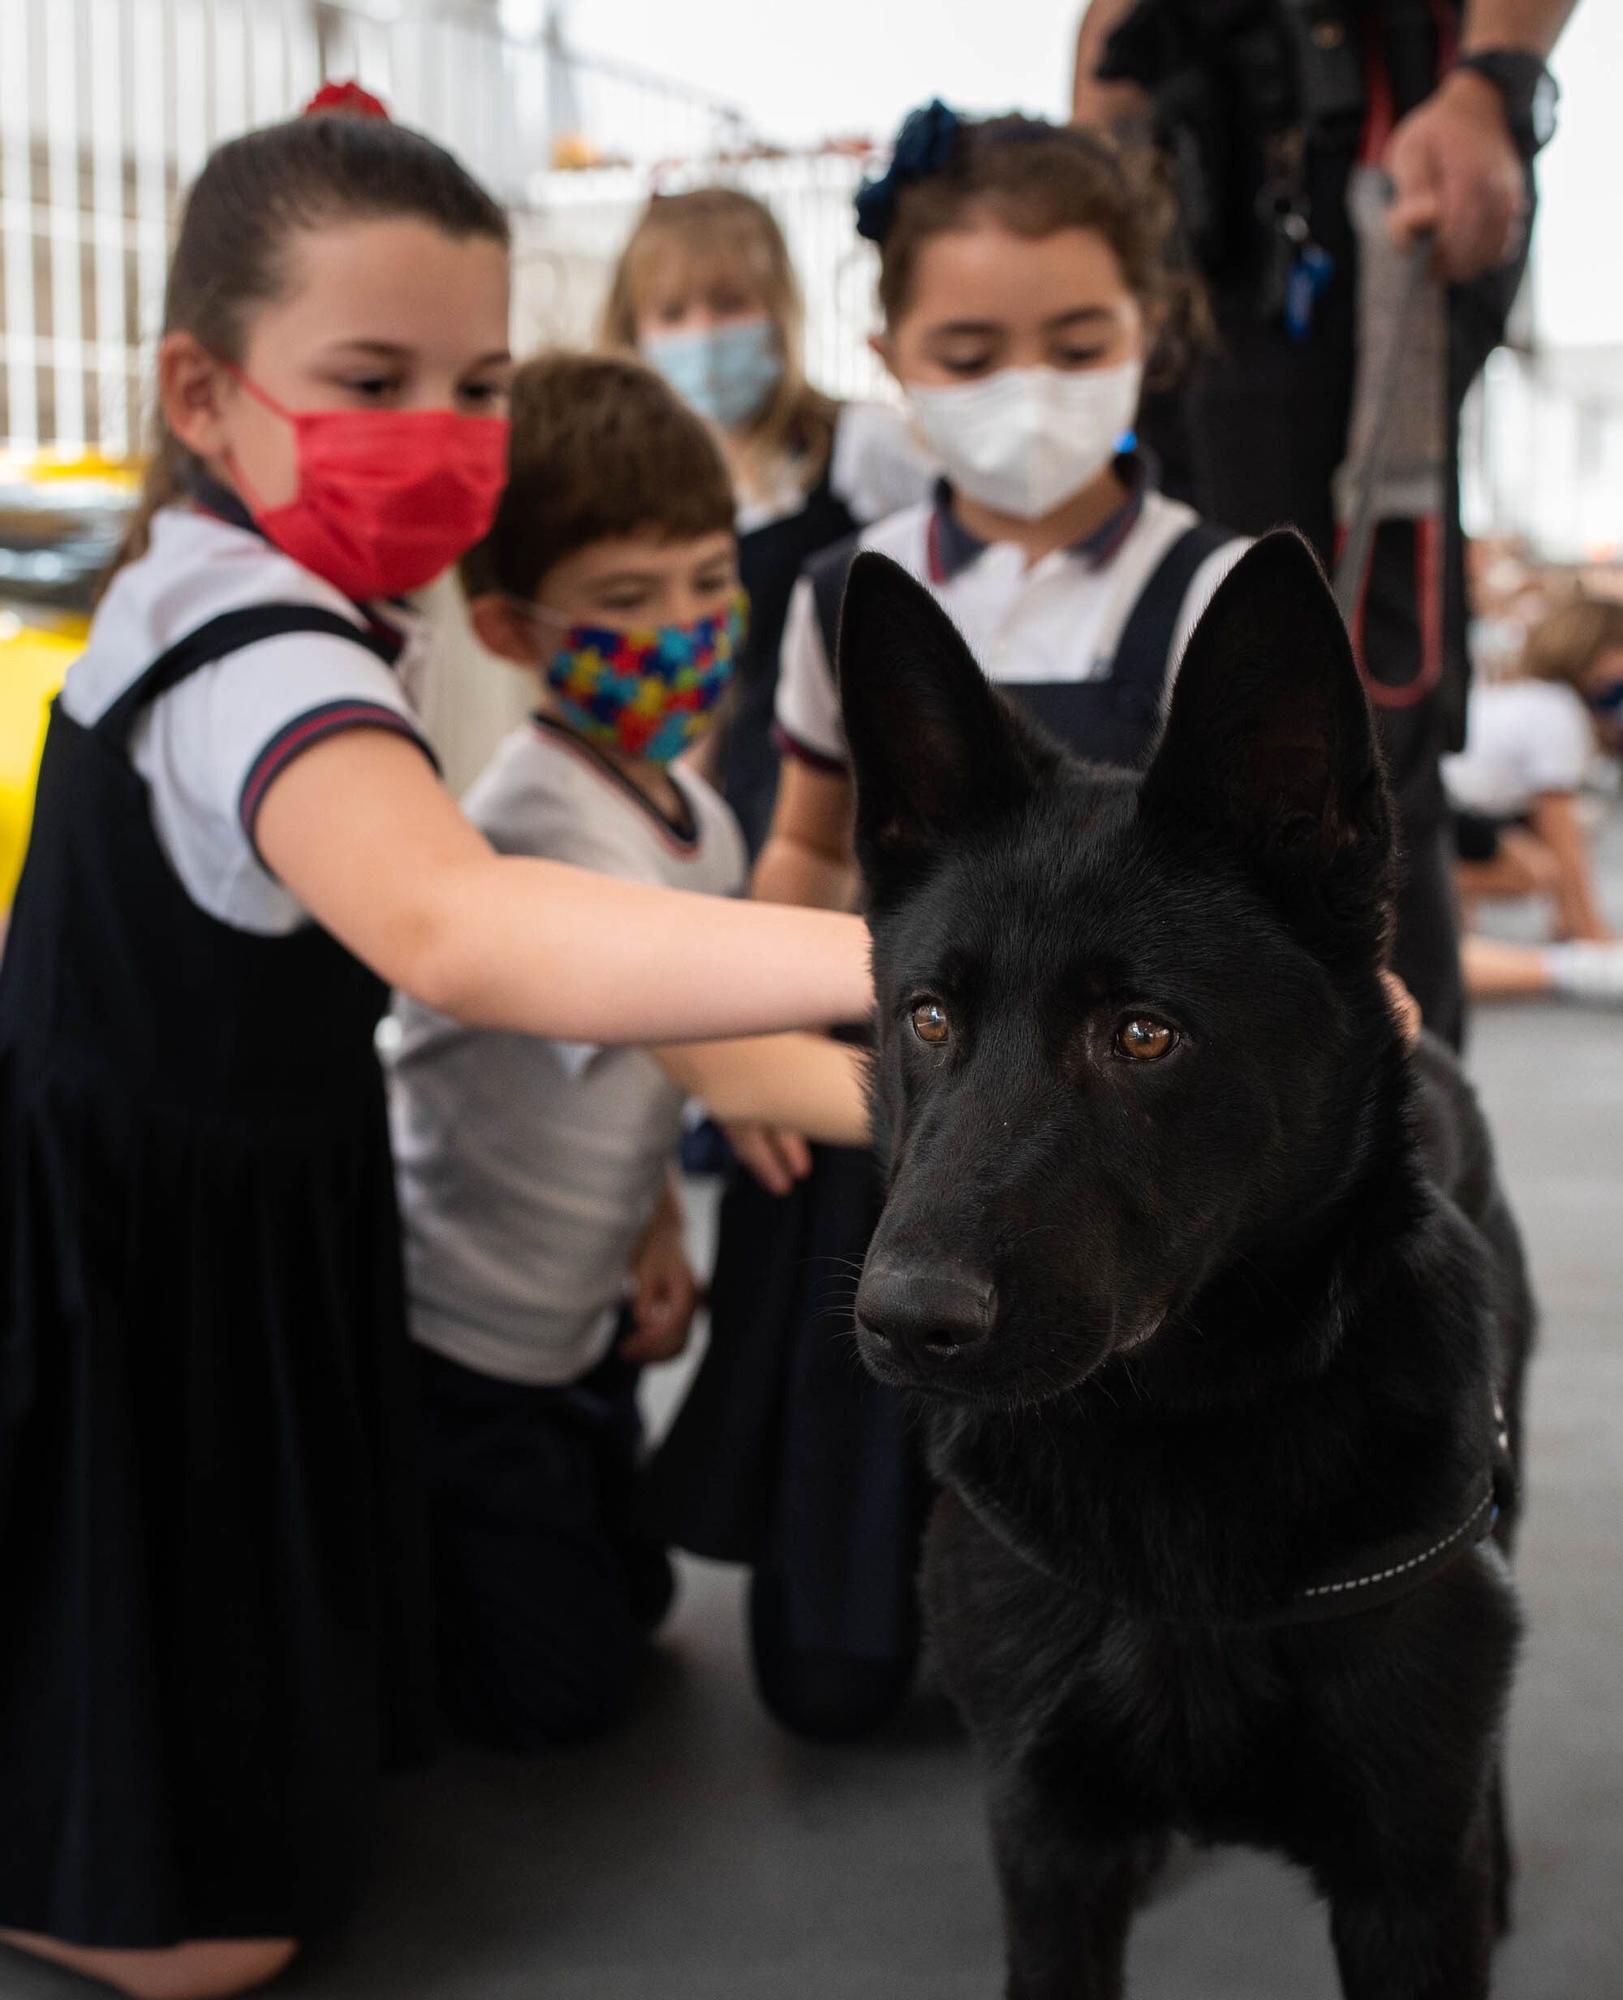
806 1082
369 840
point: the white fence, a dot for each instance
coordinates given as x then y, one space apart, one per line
108 108
567 246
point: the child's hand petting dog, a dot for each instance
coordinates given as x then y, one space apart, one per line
664 1291
775 1155
1405 1006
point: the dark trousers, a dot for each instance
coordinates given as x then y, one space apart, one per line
1254 440
544 1593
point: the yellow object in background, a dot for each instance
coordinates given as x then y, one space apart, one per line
33 661
61 518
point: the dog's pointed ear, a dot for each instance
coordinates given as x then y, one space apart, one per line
1269 744
933 747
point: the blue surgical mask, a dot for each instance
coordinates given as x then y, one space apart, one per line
725 373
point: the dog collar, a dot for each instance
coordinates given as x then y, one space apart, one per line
1375 1576
1384 1573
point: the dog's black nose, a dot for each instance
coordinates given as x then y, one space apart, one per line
929 1311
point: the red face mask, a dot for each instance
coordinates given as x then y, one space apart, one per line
387 499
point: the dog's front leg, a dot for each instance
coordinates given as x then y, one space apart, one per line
1408 1937
1068 1896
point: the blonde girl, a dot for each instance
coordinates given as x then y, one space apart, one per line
706 293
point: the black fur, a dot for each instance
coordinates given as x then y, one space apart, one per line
1192 1328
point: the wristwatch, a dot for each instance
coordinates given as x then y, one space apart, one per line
1528 89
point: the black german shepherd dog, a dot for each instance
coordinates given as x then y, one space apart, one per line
1218 1314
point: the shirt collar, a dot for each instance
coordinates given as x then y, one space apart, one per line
218 500
950 548
206 492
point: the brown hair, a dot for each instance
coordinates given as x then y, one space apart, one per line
257 191
1035 179
600 447
724 229
1565 645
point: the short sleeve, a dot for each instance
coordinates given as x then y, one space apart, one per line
1559 743
808 706
211 749
575 1058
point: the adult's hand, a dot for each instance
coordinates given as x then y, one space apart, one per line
1458 176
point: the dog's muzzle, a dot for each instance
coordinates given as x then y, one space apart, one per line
923 1318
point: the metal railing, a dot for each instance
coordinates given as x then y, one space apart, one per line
109 107
567 247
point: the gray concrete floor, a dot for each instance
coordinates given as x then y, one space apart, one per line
702 1853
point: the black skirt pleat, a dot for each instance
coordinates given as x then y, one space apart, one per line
786 1454
211 1564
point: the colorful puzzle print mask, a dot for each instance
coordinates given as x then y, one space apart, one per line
647 692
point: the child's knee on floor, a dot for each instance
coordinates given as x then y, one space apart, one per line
545 1596
563 1666
828 1696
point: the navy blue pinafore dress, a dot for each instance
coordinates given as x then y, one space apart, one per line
213 1625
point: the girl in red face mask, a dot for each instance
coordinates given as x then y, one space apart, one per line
208 1560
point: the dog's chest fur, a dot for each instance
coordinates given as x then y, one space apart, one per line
1140 1725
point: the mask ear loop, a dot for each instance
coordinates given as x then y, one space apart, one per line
267 401
735 611
534 614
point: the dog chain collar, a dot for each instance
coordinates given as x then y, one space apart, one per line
1382 1574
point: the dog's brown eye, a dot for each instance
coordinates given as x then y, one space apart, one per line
930 1022
1143 1038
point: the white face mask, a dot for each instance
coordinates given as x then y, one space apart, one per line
1024 440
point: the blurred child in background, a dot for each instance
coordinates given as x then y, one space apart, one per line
1532 741
544 1257
705 292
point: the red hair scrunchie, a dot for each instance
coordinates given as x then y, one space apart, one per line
348 97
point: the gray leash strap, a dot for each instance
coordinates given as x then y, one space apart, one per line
1353 562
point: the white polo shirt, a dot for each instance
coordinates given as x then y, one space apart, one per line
1055 621
208 749
875 466
1522 738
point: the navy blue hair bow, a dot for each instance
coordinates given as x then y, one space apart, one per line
922 149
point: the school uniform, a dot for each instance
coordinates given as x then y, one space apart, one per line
211 1562
528 1170
873 468
1084 639
786 1454
1523 738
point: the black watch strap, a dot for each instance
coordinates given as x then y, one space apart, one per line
1529 91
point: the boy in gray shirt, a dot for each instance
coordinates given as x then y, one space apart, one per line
543 1247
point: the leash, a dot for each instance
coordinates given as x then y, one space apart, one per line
1352 563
